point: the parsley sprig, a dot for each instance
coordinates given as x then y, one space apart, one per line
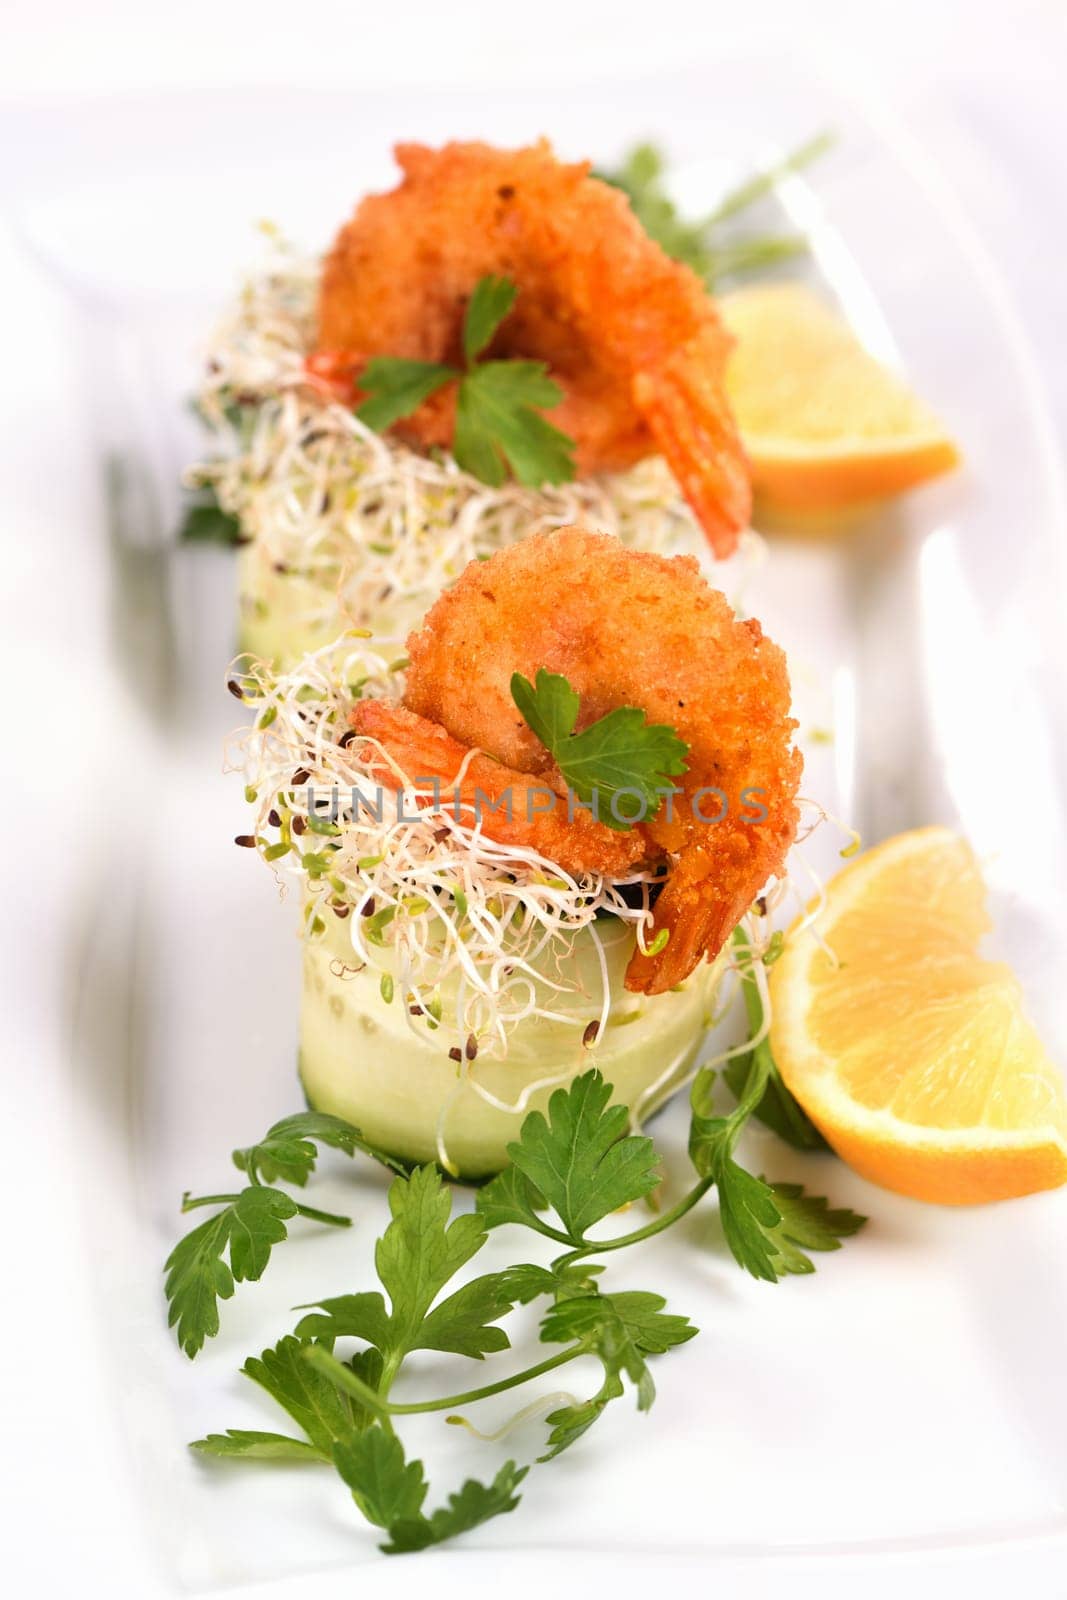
234 1246
570 1169
622 759
712 245
499 425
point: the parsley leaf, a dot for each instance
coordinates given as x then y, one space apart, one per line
580 1159
462 1322
746 1206
621 1329
490 303
251 1221
205 522
324 1412
713 252
550 709
197 1275
807 1221
386 1487
765 1224
497 412
396 387
347 1316
510 1197
316 1405
246 1445
498 403
561 1279
459 1325
749 1218
287 1150
468 1508
568 1423
416 1256
390 1491
768 1226
622 757
623 754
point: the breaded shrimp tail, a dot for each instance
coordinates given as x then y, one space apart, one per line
479 791
626 629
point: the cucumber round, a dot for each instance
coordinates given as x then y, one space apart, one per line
280 615
284 616
365 1059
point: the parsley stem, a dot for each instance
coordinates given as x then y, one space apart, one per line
190 1203
749 254
332 1218
657 1225
548 1231
471 1395
761 1068
762 183
346 1379
773 1104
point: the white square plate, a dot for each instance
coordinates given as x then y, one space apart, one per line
906 1407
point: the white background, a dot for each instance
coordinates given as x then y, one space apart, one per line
981 85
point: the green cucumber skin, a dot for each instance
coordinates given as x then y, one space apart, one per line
359 1059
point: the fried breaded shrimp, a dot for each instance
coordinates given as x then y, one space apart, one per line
630 336
626 628
512 810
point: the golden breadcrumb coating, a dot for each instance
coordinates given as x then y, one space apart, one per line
631 336
626 629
